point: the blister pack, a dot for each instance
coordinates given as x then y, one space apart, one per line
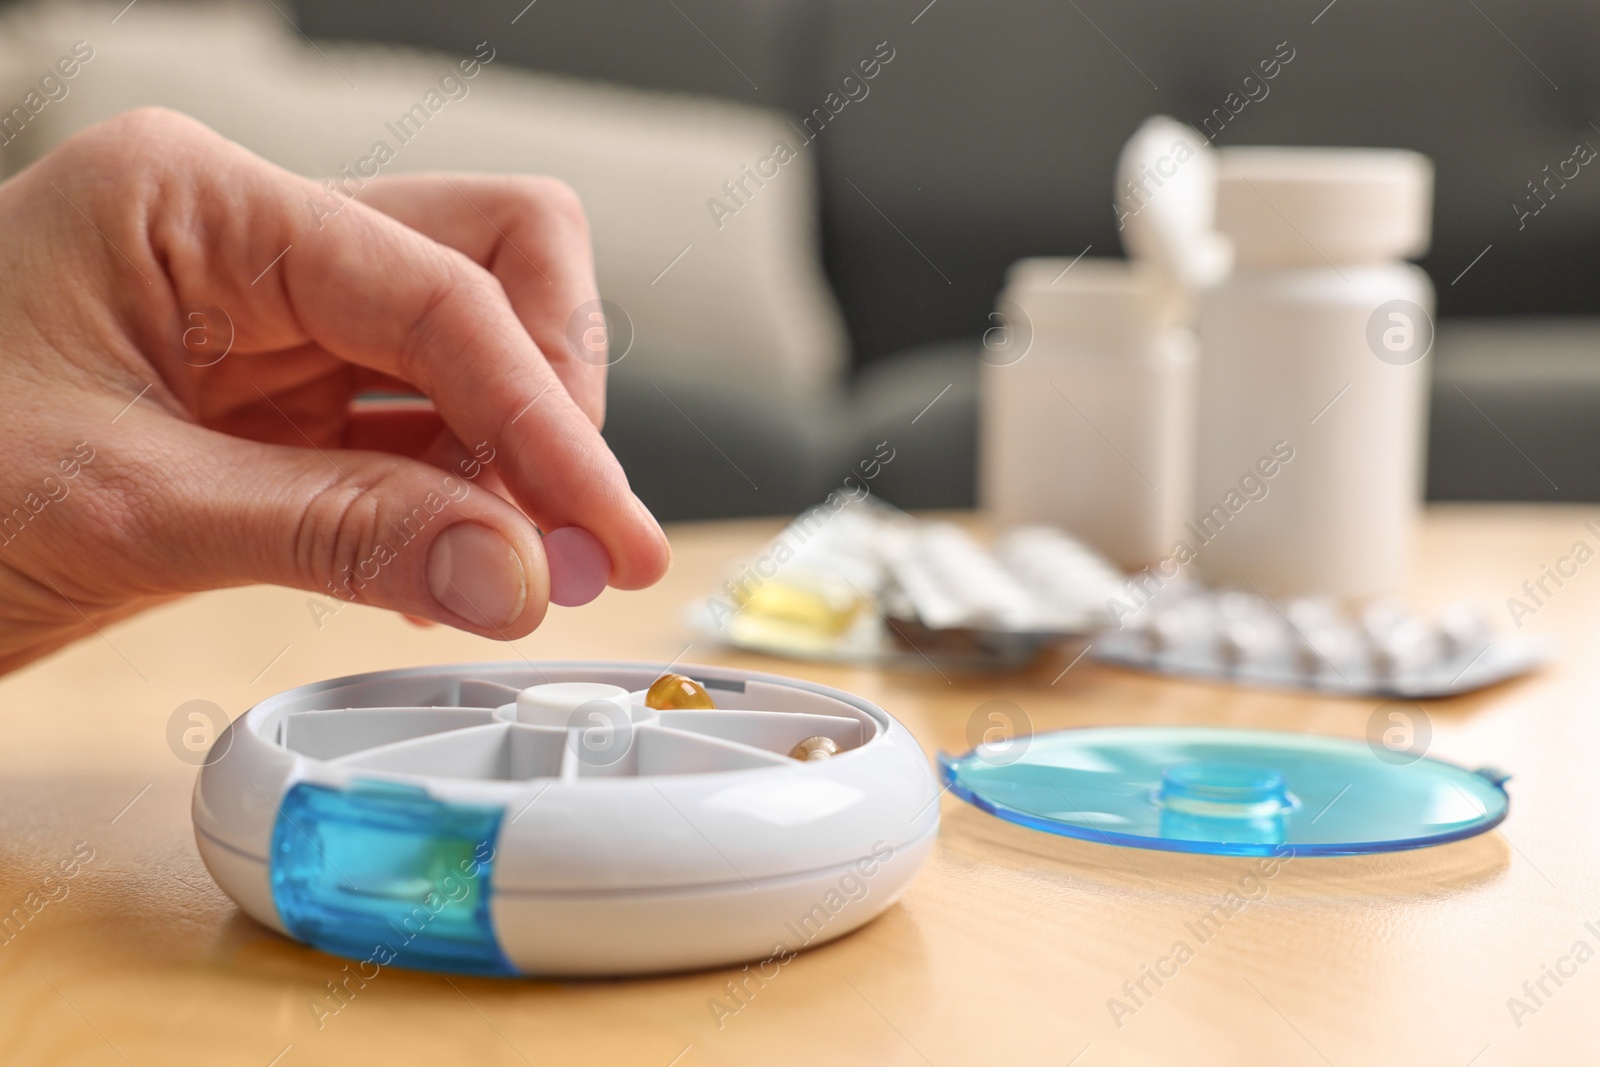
869 582
1308 643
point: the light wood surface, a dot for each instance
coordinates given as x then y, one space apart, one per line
1005 950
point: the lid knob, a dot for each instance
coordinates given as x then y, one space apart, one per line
1223 790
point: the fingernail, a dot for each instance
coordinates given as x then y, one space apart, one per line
580 567
475 573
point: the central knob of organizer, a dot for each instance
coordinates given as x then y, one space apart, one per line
554 703
1223 790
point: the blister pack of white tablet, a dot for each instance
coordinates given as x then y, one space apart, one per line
1308 643
1035 580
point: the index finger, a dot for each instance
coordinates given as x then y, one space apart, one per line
369 290
532 235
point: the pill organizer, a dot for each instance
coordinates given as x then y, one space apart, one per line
539 818
1310 643
1227 791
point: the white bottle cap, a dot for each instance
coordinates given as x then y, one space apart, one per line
1089 299
1290 207
1165 195
552 704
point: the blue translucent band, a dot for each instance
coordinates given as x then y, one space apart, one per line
385 873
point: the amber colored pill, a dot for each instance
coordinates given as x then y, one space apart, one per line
673 691
814 748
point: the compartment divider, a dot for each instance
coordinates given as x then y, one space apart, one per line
569 758
771 731
481 752
340 732
660 743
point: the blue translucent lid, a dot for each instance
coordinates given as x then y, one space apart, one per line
1227 792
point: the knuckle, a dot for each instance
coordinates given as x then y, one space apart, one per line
128 157
559 194
337 541
156 121
554 202
148 131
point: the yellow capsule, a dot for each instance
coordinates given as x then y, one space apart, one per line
673 691
815 748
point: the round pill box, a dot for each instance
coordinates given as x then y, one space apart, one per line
538 818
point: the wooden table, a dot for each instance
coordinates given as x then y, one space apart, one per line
1006 950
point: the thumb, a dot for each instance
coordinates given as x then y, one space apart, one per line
363 527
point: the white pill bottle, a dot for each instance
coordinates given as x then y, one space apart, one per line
1086 417
1092 430
1314 365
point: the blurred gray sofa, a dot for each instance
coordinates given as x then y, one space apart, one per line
991 135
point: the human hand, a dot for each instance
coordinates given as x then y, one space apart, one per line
182 337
